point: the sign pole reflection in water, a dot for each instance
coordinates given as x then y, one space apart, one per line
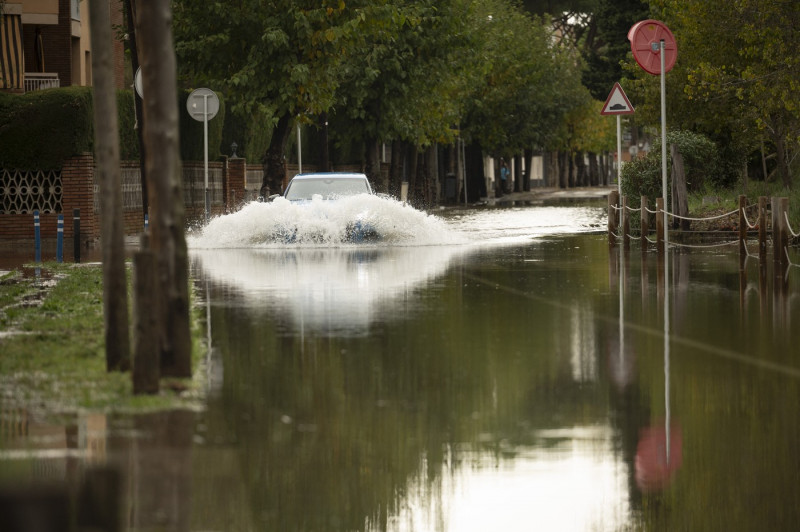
666 240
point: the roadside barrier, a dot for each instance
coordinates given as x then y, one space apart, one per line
781 229
37 235
76 226
60 239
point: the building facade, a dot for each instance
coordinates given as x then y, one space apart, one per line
45 44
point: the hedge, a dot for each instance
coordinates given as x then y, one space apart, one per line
39 130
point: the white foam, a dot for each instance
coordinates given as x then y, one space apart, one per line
323 223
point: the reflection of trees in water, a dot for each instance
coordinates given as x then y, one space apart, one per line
739 421
334 432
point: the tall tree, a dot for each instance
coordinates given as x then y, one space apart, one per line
736 74
281 58
153 24
608 46
112 234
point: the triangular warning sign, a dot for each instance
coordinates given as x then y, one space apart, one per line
617 103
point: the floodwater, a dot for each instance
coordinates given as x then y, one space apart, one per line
479 369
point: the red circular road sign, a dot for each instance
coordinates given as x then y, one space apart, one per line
646 37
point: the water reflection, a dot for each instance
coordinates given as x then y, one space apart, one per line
494 388
339 291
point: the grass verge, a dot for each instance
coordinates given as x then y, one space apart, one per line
53 346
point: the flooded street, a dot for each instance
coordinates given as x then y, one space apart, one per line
477 369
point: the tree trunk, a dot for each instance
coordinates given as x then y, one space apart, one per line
396 168
274 160
432 182
594 176
571 170
372 164
526 179
476 180
517 173
580 165
153 23
413 158
680 197
779 139
112 231
563 168
130 7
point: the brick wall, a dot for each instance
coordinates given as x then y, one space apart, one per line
77 186
77 176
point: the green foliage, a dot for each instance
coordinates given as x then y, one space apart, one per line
642 176
41 129
736 75
128 138
608 45
58 360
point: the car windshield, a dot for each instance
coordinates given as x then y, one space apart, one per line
328 188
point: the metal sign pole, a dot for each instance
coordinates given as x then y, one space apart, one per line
619 155
662 49
299 150
205 149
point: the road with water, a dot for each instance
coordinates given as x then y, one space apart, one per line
492 368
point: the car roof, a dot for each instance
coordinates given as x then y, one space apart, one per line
330 175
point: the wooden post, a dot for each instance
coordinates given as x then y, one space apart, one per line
660 219
626 224
146 360
645 221
783 209
613 200
776 230
762 228
742 225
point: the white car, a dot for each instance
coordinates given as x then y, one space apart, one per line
330 186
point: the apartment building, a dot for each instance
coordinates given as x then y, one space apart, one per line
45 44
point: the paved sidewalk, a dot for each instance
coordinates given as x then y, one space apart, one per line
546 194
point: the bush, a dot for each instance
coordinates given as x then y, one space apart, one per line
41 129
642 177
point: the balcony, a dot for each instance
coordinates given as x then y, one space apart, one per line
36 81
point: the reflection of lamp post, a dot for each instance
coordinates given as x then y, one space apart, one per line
233 149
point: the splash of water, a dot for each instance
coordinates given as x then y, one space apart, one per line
321 223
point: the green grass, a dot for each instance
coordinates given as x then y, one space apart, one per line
729 199
54 358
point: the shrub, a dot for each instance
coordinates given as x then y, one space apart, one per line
41 129
642 177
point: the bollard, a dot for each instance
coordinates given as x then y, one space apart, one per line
762 228
742 225
60 239
613 200
37 232
76 232
626 224
660 219
645 221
